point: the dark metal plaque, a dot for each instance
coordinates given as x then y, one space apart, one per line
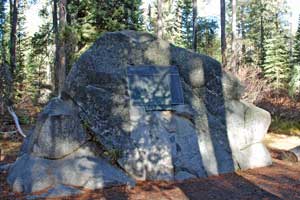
155 88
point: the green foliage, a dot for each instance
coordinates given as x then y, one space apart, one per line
276 67
40 59
2 19
25 120
207 37
294 84
296 52
172 17
21 51
113 15
186 22
3 24
257 20
286 127
90 18
295 75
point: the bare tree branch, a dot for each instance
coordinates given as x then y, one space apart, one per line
16 120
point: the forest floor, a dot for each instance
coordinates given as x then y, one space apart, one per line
279 181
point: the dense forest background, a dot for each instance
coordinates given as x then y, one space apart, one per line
253 39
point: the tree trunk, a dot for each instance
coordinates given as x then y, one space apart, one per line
234 37
195 14
56 40
159 19
262 35
60 54
243 33
223 36
13 36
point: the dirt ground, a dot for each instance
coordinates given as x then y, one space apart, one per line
279 181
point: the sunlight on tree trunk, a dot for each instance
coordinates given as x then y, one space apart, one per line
195 14
223 34
159 18
234 37
60 54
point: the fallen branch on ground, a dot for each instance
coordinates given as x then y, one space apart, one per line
16 120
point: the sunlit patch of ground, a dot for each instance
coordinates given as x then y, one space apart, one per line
282 142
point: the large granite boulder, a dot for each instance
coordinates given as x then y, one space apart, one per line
160 111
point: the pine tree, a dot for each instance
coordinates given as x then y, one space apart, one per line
173 23
114 15
296 52
2 30
207 36
186 9
21 50
294 84
2 20
40 67
276 67
263 18
295 75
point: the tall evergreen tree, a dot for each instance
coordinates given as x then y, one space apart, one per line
295 75
172 22
207 41
186 7
40 67
296 50
276 67
264 18
13 33
21 51
2 31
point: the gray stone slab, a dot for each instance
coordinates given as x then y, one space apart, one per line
58 131
81 169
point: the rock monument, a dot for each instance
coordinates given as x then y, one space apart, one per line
135 107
